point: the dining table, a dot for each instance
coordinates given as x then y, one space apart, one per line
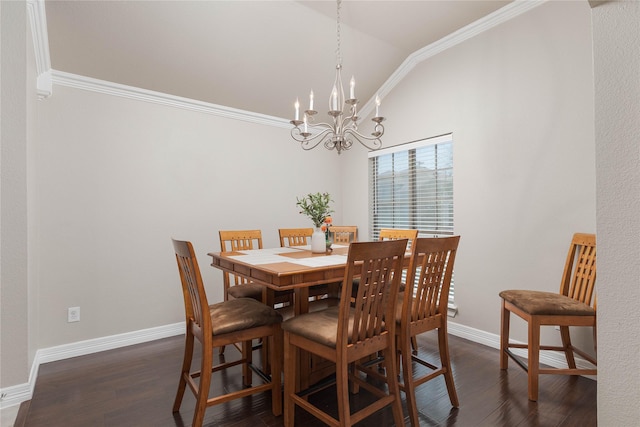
294 268
286 268
291 268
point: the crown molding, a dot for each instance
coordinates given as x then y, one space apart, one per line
40 36
46 76
101 86
504 14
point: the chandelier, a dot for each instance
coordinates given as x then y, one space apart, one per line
342 129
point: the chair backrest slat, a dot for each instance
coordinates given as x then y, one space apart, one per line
379 266
579 276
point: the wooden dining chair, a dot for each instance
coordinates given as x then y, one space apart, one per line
295 236
393 234
574 305
398 233
422 308
344 234
237 286
346 333
228 322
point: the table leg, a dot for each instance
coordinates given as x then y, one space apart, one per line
301 306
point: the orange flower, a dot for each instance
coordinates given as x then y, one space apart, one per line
324 227
328 220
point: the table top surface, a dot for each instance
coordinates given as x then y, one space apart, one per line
285 267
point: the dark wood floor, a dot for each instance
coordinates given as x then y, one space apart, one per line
134 386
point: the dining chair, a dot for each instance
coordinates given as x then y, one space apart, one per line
346 333
295 236
401 233
398 233
422 307
393 234
228 322
237 286
344 234
574 305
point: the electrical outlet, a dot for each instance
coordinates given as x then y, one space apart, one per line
73 314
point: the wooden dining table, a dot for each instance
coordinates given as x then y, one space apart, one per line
286 268
289 268
295 268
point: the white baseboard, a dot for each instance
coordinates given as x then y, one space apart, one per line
553 359
15 395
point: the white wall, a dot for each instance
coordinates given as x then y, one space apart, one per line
519 101
519 96
14 303
617 126
116 178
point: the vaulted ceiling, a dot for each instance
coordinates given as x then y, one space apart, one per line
256 56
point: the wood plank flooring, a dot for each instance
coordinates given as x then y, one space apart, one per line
135 386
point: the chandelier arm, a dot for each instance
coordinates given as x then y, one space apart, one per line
309 142
324 137
375 144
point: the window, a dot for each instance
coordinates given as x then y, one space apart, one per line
411 186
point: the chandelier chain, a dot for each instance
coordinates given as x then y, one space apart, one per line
338 53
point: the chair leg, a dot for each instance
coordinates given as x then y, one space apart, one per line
533 358
184 372
392 383
504 336
247 355
342 389
409 386
203 387
443 344
566 345
290 380
276 345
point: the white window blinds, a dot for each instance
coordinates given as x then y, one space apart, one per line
411 186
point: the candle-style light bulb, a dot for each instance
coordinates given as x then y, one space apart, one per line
334 99
305 123
352 88
311 100
297 106
377 106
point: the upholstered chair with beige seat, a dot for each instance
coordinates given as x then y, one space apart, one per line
347 333
237 286
574 305
239 320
